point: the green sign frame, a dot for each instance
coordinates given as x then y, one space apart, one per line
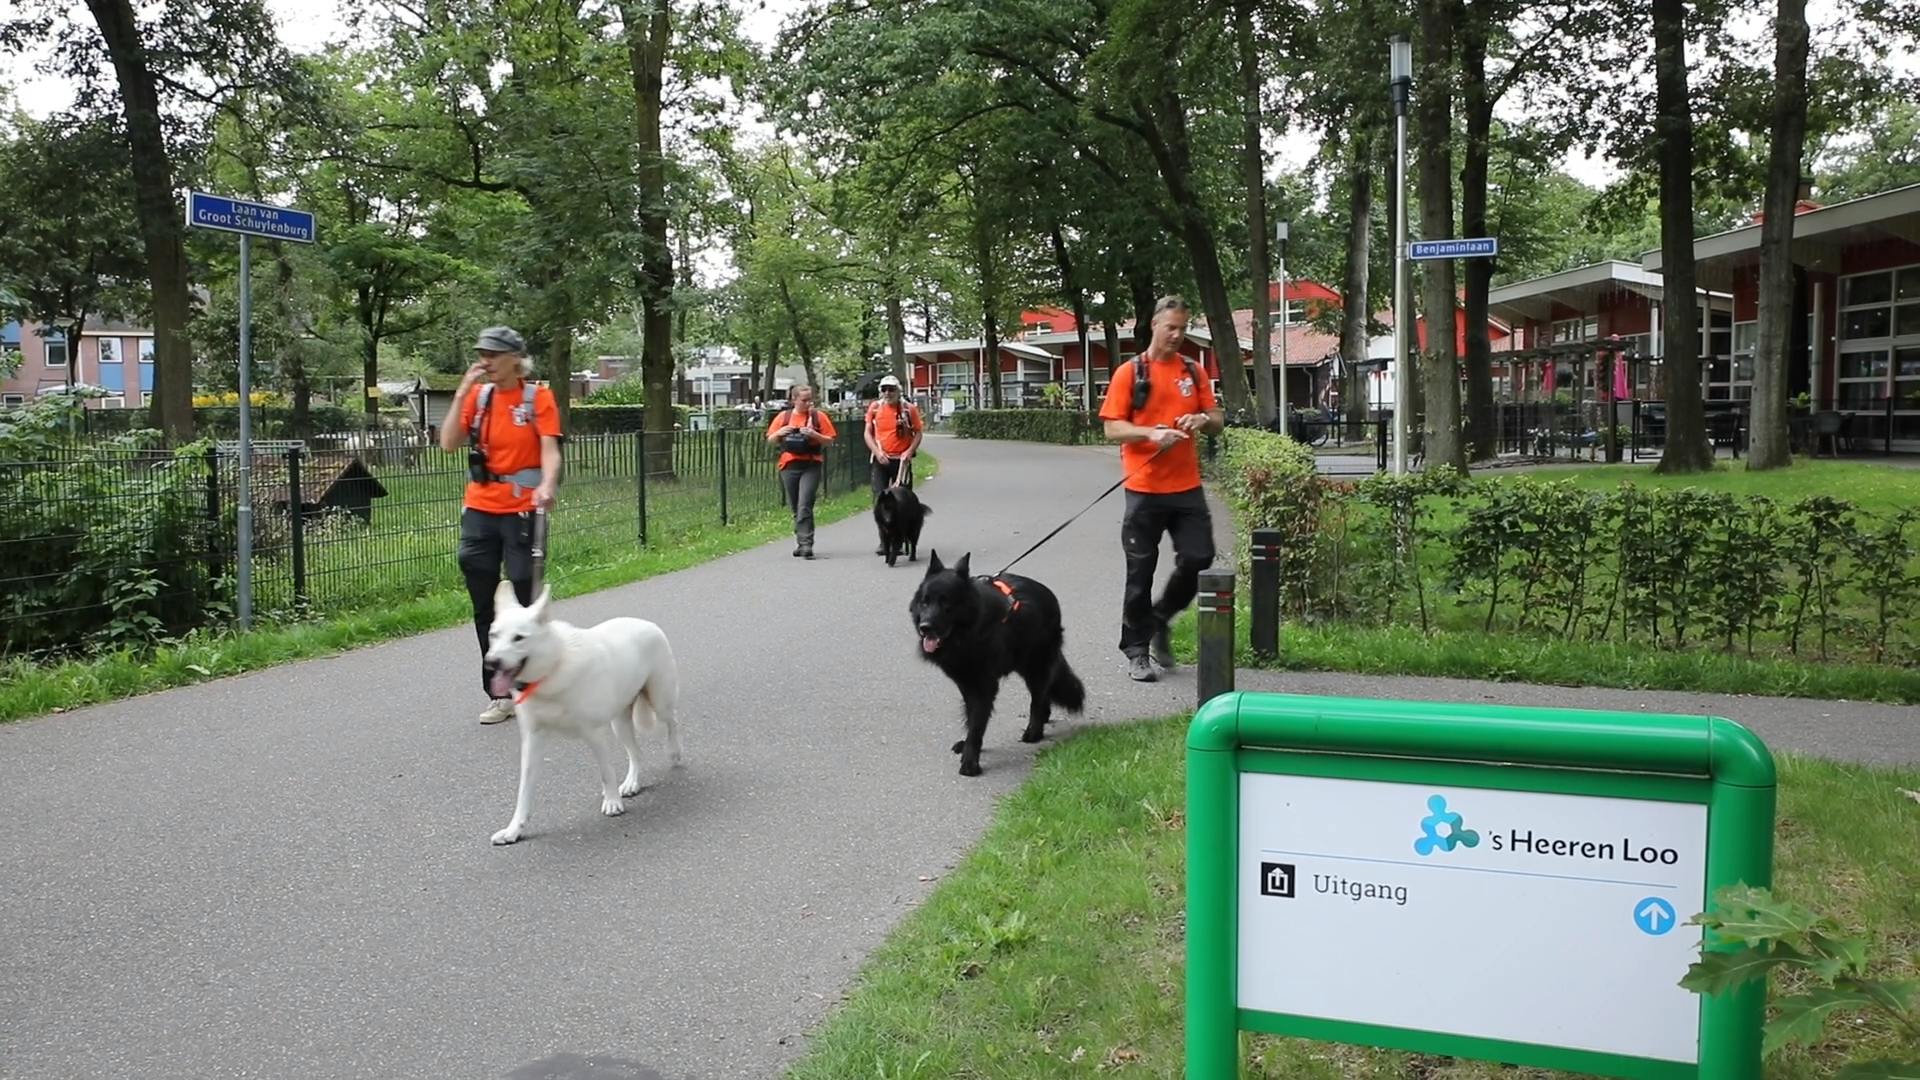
1662 757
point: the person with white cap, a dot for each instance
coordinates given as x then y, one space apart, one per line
513 468
893 435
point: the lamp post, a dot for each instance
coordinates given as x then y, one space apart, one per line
1280 231
1399 88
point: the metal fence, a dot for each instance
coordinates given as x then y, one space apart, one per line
99 545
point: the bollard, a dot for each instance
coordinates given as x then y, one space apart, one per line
1264 634
1215 666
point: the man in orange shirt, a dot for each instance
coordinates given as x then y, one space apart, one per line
802 433
1155 405
894 431
513 468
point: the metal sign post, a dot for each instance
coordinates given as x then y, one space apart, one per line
249 219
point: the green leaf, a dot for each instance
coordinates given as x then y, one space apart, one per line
1715 972
1801 1018
1752 915
1895 996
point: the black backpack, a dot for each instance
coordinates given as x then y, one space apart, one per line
1141 385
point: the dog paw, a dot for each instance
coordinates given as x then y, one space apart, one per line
612 807
508 835
629 789
969 768
1033 735
959 746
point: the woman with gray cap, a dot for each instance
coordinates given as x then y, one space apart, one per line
512 469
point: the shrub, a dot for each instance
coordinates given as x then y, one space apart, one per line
1066 427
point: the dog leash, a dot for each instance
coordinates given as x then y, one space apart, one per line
1116 486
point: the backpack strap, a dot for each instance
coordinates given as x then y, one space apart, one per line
1141 384
481 401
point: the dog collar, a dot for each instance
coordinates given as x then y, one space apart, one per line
1012 600
522 693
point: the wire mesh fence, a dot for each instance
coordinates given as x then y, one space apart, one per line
101 546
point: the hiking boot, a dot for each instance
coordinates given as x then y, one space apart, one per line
1162 647
500 709
1140 669
881 550
798 551
807 552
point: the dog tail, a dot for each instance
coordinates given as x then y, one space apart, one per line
1066 690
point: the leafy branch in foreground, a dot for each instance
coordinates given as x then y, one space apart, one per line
1774 934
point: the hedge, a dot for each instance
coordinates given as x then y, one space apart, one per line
1030 425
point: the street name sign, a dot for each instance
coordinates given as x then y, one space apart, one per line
1481 248
1484 882
226 214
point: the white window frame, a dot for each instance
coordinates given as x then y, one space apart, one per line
1893 345
66 352
1291 318
13 399
115 402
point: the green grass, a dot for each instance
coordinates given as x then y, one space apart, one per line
1056 948
1552 661
414 595
1879 488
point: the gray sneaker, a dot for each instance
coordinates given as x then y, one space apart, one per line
1141 669
1162 648
501 709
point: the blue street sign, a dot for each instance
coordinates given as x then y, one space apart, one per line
206 211
1482 248
1653 916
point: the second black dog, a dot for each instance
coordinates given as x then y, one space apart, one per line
899 513
979 630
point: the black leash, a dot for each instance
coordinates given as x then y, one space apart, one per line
539 548
1116 486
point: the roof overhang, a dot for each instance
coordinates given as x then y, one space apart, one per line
1820 237
1581 289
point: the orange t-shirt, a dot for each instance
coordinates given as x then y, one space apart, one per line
512 441
817 419
894 438
1172 393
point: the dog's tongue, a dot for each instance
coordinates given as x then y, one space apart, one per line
929 644
501 684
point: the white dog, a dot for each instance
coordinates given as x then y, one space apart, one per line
598 683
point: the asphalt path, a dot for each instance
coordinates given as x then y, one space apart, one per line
288 874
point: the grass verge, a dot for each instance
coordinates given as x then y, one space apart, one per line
1056 948
28 689
1401 650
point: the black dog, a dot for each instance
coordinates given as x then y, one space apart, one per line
981 629
899 513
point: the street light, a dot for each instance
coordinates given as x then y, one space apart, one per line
1399 88
1280 231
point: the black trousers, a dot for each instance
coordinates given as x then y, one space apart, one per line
801 479
489 542
883 474
1183 516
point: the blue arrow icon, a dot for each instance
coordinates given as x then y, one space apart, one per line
1653 916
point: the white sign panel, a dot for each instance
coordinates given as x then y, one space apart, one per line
1553 920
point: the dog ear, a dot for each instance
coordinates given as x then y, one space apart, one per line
539 606
933 562
503 596
961 566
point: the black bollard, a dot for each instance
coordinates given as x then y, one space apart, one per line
1264 634
1216 635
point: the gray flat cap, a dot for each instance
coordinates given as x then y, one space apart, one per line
501 339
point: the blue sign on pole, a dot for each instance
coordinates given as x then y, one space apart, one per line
206 211
1481 248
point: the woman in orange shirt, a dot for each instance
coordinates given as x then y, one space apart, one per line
802 433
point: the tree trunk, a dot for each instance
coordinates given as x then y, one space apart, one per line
1174 155
160 219
1774 341
1070 284
799 335
1140 281
1111 331
647 33
1687 450
1440 366
1253 164
753 367
293 365
990 358
897 339
1482 433
685 267
560 369
1354 287
773 367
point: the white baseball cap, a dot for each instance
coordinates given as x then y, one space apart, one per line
891 380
